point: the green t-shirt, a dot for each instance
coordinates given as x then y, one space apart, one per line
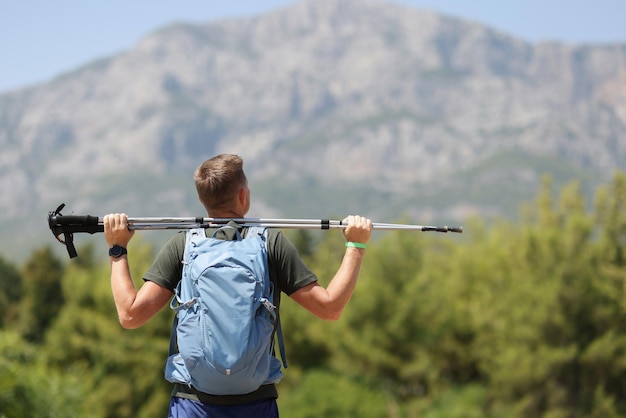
286 269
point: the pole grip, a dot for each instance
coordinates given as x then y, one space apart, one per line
62 225
73 223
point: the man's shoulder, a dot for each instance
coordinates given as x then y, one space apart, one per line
175 245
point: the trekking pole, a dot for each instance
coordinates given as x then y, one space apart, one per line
188 223
67 225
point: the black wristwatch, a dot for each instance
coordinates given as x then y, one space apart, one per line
117 251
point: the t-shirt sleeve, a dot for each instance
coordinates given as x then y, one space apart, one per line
286 267
167 268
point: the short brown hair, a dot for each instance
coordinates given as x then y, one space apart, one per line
219 179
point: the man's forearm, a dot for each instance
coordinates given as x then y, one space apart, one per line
124 292
341 287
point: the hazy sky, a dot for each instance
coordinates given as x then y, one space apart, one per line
42 39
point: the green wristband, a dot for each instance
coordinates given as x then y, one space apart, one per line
355 244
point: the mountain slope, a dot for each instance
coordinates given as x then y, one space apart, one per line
337 106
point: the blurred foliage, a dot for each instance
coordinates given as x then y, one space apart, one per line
10 292
508 320
42 298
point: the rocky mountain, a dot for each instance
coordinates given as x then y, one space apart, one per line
337 106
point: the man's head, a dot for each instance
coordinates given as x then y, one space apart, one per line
222 185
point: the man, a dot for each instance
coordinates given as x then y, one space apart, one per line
223 190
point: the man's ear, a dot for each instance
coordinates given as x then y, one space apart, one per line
242 196
244 199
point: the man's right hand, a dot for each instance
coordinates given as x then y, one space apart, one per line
116 230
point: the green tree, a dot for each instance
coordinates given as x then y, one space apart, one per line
10 292
124 367
332 395
511 320
29 388
42 297
550 334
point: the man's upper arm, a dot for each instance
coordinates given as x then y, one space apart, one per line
286 266
167 268
309 298
149 300
159 283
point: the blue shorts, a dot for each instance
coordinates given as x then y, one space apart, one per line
187 408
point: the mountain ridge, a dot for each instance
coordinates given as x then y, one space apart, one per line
382 103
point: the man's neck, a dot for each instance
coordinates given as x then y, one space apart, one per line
228 214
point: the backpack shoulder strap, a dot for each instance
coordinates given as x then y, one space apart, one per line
189 236
257 230
263 232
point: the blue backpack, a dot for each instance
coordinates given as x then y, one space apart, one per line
225 317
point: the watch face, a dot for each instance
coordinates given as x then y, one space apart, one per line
117 251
